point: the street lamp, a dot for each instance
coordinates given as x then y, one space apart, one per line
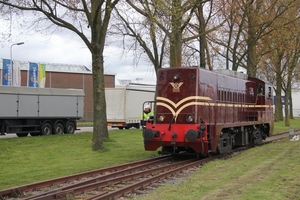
10 78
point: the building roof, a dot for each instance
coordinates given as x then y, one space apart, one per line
58 67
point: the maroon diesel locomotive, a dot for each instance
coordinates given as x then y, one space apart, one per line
201 111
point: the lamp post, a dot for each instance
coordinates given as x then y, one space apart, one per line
10 78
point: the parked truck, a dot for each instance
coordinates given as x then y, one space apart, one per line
39 111
124 104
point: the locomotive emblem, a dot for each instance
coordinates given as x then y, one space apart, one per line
176 86
176 108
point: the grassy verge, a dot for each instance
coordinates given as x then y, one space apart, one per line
84 124
280 127
31 159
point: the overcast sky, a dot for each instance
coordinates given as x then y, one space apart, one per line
66 48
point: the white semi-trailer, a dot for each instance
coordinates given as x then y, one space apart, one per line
124 104
296 103
39 111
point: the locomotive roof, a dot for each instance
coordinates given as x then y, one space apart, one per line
235 74
226 72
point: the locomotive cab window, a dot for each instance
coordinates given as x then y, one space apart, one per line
270 93
260 90
251 91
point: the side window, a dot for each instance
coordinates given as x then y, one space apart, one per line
260 90
251 91
235 99
270 93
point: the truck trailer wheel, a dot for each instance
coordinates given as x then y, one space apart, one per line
35 134
21 134
46 129
58 128
70 128
137 126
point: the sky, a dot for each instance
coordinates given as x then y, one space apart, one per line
66 48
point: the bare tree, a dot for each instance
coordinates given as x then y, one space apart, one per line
75 15
247 22
199 28
172 17
140 33
282 44
178 25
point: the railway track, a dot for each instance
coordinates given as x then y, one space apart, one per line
112 182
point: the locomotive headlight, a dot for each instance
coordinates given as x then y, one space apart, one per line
161 118
176 77
190 118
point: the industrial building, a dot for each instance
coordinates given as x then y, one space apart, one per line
67 76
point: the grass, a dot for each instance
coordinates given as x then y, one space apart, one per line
84 124
31 159
280 127
265 172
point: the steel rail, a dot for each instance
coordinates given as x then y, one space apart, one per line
21 190
117 178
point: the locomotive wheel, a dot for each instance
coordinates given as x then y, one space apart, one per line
46 129
21 134
70 128
58 128
256 136
225 143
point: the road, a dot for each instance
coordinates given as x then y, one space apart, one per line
82 129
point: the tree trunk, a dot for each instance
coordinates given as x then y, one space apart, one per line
291 105
278 105
286 108
288 95
176 35
252 11
100 122
202 43
98 34
251 53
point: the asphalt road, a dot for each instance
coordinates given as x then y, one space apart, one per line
82 129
